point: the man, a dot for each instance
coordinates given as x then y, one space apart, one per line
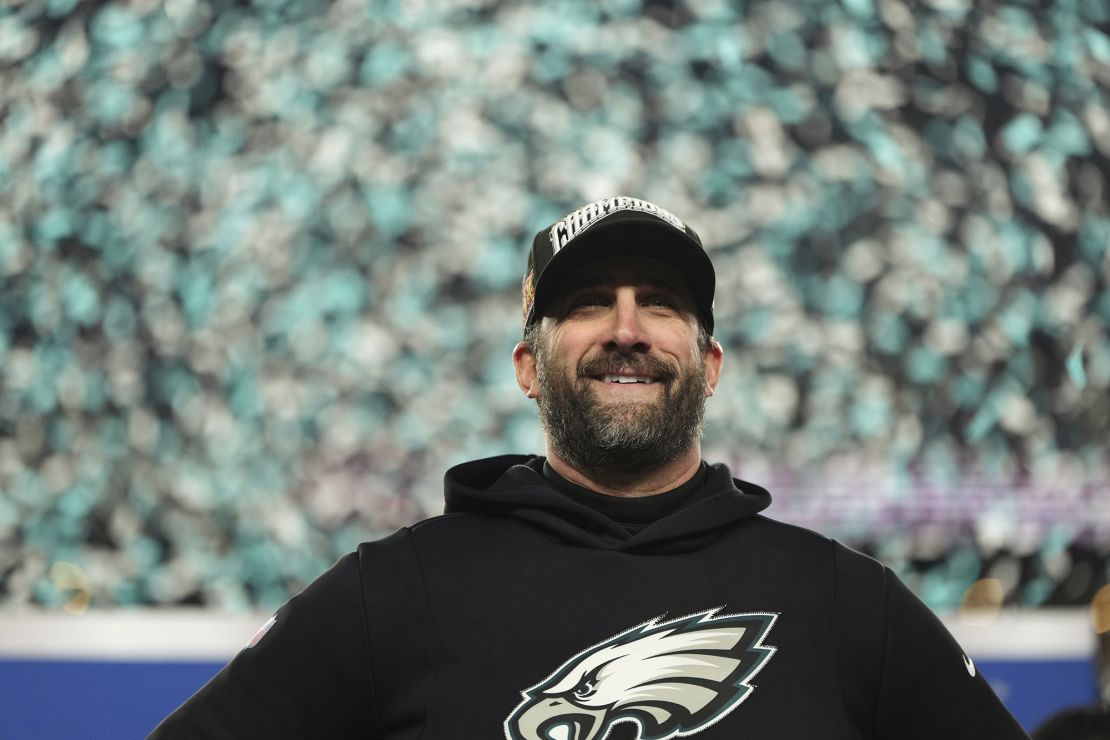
1075 723
618 587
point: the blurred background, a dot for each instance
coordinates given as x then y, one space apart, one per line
260 270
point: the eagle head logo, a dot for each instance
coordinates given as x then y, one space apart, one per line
670 679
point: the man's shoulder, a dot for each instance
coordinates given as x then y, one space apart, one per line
441 530
807 543
789 533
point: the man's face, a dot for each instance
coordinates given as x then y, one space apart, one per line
620 378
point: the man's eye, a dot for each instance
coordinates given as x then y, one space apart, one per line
660 301
587 299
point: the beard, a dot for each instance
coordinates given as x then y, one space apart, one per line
618 439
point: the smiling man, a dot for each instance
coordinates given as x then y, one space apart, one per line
620 373
618 587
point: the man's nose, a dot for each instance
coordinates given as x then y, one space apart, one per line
627 332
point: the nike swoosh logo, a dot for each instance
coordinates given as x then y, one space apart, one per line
969 666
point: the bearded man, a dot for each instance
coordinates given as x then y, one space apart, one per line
619 586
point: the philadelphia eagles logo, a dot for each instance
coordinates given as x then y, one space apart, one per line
669 679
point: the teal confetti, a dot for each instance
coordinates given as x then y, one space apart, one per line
1022 133
1074 364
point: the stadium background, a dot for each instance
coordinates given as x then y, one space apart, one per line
260 273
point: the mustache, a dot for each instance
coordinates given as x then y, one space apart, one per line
612 363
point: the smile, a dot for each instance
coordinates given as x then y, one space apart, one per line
623 379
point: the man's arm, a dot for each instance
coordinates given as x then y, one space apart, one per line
931 688
308 676
904 676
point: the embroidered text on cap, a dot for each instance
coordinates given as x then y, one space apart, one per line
575 223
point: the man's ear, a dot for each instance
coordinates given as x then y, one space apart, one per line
524 362
714 361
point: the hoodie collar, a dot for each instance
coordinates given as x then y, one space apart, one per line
512 486
632 513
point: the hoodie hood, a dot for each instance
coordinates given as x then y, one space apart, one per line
513 486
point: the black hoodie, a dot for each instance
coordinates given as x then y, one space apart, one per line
522 613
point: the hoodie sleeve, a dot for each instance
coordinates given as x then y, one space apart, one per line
903 676
307 676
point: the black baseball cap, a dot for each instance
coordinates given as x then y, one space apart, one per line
620 226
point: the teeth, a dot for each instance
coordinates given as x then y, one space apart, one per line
627 379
